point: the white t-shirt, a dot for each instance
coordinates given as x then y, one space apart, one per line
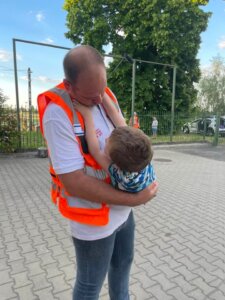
154 123
66 157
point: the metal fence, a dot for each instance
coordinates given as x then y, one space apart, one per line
30 137
186 129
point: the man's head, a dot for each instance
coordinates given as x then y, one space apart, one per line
85 75
129 148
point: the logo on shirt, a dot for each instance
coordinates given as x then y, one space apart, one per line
98 132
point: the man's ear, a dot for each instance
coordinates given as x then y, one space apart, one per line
69 88
67 85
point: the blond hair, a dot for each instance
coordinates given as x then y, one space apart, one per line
130 149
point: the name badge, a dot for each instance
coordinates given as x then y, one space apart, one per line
78 130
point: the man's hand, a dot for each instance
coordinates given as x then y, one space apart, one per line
147 194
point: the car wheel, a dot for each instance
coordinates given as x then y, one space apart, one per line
210 132
186 130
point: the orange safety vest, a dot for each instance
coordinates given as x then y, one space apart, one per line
59 196
136 122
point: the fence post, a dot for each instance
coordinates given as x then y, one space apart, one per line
133 90
216 134
17 92
172 105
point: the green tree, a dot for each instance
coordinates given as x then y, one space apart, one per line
3 99
8 126
211 96
165 31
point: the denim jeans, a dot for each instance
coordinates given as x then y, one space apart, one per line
113 254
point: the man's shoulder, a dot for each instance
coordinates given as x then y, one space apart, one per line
54 111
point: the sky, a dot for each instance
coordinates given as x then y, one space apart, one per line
45 21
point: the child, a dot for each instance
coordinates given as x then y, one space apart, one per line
154 127
127 154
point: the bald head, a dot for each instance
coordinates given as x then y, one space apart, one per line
81 59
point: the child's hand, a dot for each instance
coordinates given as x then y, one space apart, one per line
84 110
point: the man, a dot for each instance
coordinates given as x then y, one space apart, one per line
102 225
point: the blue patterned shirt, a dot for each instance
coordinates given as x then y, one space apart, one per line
132 182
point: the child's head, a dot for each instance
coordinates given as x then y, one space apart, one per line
129 148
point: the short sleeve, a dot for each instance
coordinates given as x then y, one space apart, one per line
62 144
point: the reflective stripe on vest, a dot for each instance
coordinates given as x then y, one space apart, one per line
92 216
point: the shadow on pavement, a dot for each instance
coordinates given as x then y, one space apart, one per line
204 150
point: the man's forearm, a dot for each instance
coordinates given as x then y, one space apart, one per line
80 185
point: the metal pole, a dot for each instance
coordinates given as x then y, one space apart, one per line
41 44
216 134
17 92
172 104
133 90
204 126
29 98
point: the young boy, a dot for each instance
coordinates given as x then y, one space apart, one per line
127 155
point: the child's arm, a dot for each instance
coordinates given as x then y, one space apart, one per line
112 112
91 137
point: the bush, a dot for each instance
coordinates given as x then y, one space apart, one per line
9 135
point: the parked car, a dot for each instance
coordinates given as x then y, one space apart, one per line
208 124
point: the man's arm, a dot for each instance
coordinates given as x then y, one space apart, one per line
78 184
112 112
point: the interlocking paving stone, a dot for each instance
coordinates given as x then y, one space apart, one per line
198 295
5 277
40 281
52 270
140 293
183 284
217 295
177 293
65 295
26 292
180 237
45 294
34 268
59 283
7 291
165 282
159 293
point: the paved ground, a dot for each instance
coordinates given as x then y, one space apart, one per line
180 235
202 149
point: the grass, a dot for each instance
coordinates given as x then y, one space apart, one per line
31 140
181 138
186 138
